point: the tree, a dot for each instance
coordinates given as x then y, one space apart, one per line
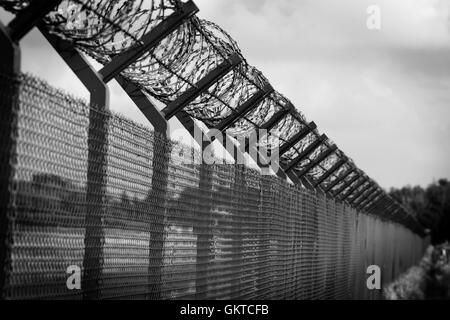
431 207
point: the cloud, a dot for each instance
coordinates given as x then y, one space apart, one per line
382 96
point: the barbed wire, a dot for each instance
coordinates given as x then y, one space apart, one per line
104 29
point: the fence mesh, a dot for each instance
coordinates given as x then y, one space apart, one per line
141 220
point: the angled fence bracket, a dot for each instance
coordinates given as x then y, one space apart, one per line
148 109
270 124
275 119
308 150
321 157
361 193
148 41
346 185
354 188
201 86
339 179
332 170
30 17
243 109
371 201
297 137
368 197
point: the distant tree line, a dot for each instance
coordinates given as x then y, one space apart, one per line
431 206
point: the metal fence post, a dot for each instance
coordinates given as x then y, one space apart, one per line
97 162
238 197
203 230
158 199
9 100
158 194
10 60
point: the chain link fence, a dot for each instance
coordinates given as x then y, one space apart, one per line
143 218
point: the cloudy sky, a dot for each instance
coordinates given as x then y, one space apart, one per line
383 96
